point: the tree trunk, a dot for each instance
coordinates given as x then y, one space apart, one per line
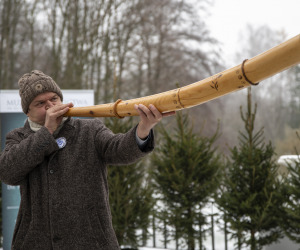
225 232
212 232
253 245
144 237
239 240
191 241
200 237
153 226
165 234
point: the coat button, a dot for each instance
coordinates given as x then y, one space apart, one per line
51 171
56 239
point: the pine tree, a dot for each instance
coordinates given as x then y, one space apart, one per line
130 194
294 121
290 209
250 193
185 169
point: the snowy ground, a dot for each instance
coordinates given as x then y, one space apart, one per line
219 237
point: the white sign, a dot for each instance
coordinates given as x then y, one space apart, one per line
10 101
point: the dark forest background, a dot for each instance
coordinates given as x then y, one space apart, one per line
143 47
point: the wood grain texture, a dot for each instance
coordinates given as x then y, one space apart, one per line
257 69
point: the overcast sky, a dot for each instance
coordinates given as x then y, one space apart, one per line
229 17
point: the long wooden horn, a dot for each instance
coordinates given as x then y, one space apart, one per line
250 72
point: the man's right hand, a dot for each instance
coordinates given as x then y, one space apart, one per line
54 116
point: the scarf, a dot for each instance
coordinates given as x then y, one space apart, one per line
35 126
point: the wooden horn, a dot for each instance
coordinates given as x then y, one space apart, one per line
250 72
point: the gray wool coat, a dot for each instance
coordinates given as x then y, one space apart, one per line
64 192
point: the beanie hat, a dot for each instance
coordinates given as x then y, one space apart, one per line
33 84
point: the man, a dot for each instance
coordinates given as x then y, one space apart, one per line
60 165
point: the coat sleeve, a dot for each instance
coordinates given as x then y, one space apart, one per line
119 149
21 156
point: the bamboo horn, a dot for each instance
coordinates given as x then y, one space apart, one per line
250 72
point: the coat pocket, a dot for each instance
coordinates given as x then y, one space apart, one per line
95 226
21 230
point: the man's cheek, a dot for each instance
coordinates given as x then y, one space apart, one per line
42 114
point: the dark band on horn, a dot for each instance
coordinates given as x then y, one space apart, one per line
245 74
115 109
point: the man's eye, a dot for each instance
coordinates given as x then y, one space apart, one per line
40 104
54 98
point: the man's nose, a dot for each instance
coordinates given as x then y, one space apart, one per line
49 104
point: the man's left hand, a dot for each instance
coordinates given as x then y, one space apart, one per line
150 116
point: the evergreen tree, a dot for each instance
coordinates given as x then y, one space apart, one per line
250 194
186 168
295 98
130 193
291 210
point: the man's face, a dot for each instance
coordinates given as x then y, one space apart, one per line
39 106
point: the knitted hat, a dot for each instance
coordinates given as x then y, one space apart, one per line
33 84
